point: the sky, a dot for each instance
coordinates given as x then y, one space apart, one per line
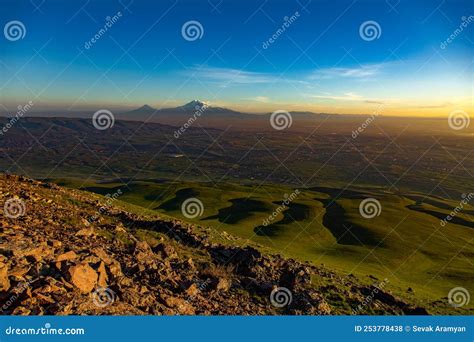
413 57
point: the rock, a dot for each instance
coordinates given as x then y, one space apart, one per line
165 251
190 263
182 306
102 275
21 311
71 255
223 284
115 269
39 253
143 251
292 277
84 277
20 271
56 244
193 290
86 232
102 254
324 308
144 256
4 281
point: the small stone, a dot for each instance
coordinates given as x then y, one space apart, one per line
115 269
102 275
223 284
191 263
4 281
86 232
324 308
182 306
192 291
71 255
165 251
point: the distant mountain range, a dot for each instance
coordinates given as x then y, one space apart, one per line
211 116
204 114
199 112
190 108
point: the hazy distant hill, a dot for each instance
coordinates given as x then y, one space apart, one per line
211 116
187 110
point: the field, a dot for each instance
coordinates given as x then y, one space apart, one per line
406 244
419 171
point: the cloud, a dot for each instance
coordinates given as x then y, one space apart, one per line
365 71
230 76
443 105
351 96
260 99
373 102
344 97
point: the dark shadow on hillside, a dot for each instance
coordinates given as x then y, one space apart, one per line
294 212
438 204
104 190
442 216
178 199
240 209
346 233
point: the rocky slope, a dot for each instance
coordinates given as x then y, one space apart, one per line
64 252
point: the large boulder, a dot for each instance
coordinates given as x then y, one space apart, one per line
84 277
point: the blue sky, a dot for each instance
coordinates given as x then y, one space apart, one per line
319 61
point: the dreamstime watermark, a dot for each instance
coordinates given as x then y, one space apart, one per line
466 199
109 22
109 200
370 297
103 297
17 291
14 30
281 297
14 208
46 330
103 119
370 208
281 119
458 296
465 21
370 30
284 205
199 110
287 21
21 110
192 30
192 208
367 122
458 119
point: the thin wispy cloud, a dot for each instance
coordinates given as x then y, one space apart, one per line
365 71
344 97
435 106
352 96
263 99
373 102
230 76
